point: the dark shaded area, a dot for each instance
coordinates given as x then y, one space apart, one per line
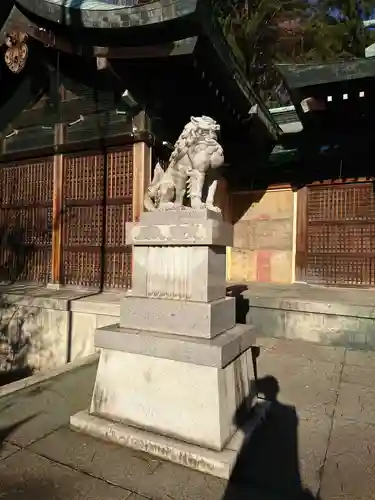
17 247
34 488
242 304
11 490
267 466
14 375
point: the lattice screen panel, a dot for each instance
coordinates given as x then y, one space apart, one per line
26 221
340 232
98 203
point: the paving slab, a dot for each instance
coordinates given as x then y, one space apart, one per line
7 449
309 385
356 402
313 435
304 350
350 466
123 467
171 481
364 359
30 414
362 375
115 464
326 402
26 476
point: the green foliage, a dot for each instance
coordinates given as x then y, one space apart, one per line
345 19
264 32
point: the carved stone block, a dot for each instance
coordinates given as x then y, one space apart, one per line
218 352
185 216
205 232
181 317
179 272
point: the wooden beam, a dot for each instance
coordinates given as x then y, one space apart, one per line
141 176
51 39
57 209
19 22
142 166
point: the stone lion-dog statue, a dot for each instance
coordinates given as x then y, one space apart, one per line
196 153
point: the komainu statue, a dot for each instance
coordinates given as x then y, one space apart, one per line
196 154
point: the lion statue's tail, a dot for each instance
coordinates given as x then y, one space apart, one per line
152 189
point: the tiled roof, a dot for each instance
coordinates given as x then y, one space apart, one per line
109 14
94 4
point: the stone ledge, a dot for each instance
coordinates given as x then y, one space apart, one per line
216 463
107 304
42 296
312 306
218 352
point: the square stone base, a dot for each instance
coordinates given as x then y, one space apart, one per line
215 463
187 401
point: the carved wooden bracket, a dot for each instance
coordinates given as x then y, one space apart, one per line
17 51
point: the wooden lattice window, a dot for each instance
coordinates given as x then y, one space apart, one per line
341 234
26 221
98 203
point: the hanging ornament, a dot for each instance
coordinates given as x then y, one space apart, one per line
17 51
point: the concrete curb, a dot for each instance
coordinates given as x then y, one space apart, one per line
19 385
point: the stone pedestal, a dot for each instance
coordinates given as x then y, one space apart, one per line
173 372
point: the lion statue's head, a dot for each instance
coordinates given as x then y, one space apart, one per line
199 129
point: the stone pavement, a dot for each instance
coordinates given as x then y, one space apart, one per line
331 388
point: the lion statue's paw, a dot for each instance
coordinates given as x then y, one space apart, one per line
214 208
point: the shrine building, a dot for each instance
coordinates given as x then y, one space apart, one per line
95 92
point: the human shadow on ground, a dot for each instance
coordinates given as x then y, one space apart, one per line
267 466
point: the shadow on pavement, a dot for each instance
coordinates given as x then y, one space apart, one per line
35 489
6 432
267 466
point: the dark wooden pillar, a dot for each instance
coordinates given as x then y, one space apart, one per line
301 234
